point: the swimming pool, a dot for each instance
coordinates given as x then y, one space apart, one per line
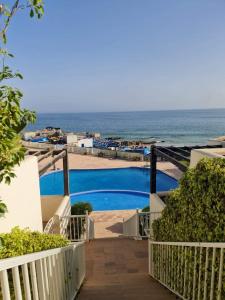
111 200
108 181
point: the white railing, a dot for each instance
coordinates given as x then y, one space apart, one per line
91 229
50 227
144 221
140 224
52 274
77 227
190 270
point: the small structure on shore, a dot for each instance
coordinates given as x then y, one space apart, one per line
55 135
85 143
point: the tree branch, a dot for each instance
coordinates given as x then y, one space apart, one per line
13 11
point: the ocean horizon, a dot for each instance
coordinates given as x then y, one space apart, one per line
189 126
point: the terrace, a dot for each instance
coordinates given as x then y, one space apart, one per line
119 260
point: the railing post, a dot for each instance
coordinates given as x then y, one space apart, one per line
153 170
149 258
66 174
137 221
87 225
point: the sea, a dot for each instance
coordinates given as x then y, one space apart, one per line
178 127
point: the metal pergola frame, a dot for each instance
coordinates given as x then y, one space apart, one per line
178 156
56 155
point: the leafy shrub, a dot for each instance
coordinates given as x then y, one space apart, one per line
23 241
145 209
80 208
195 212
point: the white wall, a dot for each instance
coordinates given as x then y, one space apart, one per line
54 205
156 203
22 198
88 143
198 154
49 206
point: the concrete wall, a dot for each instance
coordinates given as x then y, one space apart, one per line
39 145
91 151
106 153
54 205
49 206
198 154
54 208
156 203
156 207
22 198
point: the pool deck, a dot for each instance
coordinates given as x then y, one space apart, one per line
77 161
109 224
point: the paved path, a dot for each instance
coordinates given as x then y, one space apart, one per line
117 269
109 224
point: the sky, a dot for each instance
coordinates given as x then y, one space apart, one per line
121 55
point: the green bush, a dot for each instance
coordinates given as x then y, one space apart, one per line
23 241
145 209
80 208
195 212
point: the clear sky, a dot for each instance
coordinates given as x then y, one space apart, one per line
121 55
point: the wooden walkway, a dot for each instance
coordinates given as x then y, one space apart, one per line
117 269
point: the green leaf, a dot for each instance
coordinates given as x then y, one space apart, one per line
31 13
4 38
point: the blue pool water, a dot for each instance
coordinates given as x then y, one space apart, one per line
136 179
111 200
109 180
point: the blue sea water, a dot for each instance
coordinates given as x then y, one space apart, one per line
175 126
136 179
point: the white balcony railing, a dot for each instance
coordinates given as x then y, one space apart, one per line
52 274
139 225
91 228
190 270
77 227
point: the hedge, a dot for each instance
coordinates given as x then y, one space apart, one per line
195 212
23 241
80 208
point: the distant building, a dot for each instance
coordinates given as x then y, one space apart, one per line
27 135
85 143
71 138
